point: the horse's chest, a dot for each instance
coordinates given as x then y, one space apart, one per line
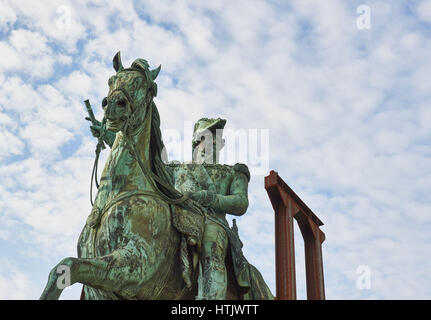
137 218
118 171
107 236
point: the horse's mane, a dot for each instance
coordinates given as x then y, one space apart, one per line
157 148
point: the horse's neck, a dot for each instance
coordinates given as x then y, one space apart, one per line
122 172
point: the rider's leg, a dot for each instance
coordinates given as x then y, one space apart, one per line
214 247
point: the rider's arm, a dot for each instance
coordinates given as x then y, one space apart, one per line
236 202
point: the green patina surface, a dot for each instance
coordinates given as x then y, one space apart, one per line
156 230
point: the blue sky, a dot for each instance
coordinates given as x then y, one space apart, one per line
347 111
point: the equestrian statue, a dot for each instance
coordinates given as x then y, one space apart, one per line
157 229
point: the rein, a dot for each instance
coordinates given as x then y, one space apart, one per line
99 147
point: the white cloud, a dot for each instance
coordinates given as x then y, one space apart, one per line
7 16
31 53
48 17
14 284
76 84
424 10
32 43
11 145
9 58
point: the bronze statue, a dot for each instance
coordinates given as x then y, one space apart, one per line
143 237
221 189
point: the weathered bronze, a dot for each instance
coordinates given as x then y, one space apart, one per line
221 189
144 238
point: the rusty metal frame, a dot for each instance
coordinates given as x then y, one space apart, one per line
287 205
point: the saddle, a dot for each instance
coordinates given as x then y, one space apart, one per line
191 227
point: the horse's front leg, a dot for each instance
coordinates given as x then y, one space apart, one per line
122 271
108 272
59 278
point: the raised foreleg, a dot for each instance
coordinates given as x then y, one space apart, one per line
123 271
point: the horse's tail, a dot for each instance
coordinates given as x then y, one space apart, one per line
258 288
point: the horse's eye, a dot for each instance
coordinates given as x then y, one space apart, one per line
104 102
110 80
121 103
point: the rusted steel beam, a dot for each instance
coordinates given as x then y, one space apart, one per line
313 238
284 242
287 205
285 253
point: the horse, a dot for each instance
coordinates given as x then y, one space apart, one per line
131 247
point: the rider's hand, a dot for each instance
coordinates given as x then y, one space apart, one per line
95 128
203 197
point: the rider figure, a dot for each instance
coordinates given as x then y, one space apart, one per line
226 193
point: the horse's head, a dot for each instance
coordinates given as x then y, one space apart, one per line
131 91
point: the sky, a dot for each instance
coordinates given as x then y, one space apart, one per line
336 93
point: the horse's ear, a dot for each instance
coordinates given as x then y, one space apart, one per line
116 62
155 72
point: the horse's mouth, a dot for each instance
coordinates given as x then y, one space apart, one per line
114 125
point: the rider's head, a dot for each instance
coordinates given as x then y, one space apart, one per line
207 140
